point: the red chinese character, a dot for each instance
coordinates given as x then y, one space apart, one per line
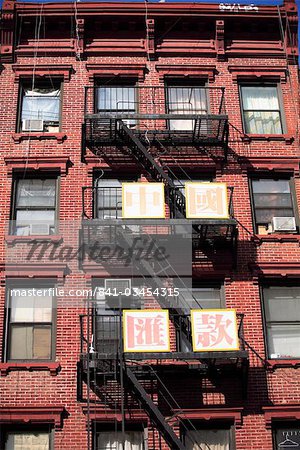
145 331
212 330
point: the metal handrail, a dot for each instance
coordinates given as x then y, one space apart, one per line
116 208
177 320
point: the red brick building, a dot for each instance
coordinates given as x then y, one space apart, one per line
97 94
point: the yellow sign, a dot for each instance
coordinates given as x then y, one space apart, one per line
214 330
206 200
146 330
143 201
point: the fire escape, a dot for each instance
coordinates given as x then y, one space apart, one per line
141 121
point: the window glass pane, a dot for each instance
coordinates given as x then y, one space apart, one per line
187 100
266 215
113 440
207 440
283 341
21 341
271 186
41 342
26 218
282 304
273 200
287 437
262 122
27 441
260 98
36 193
116 98
31 308
41 104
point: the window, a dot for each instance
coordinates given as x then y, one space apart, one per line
118 99
282 321
27 441
112 440
108 199
261 110
286 436
30 328
35 207
186 100
208 439
108 306
40 108
272 198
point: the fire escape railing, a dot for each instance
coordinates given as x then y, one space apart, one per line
106 202
186 115
105 341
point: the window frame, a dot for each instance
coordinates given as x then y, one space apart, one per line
99 427
280 103
25 429
274 177
110 176
213 425
25 284
282 425
116 83
47 83
266 285
14 191
179 83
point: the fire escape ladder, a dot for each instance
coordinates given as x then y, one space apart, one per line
152 410
184 324
144 158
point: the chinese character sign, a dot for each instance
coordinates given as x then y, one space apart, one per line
214 330
206 200
143 200
146 331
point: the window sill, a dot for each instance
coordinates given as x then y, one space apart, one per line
12 239
259 238
18 137
283 363
52 367
287 138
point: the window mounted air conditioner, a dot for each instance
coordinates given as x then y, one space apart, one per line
284 224
42 229
32 125
119 285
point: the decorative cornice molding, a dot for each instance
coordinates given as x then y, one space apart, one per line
275 269
35 270
260 72
43 70
49 163
281 412
186 70
33 415
118 70
221 413
276 164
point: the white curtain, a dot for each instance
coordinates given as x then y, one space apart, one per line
183 100
261 110
29 441
207 440
134 440
41 104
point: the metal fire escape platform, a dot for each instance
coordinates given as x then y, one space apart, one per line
156 115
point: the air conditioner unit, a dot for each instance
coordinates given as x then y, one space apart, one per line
118 285
284 224
32 125
41 229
